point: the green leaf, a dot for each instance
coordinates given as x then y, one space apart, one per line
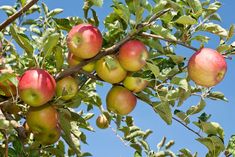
217 96
185 153
230 32
182 116
231 146
159 30
98 3
186 20
213 144
181 82
4 124
137 154
200 38
22 40
223 48
59 59
51 42
8 9
45 8
164 110
95 17
196 7
63 24
154 68
211 128
176 58
54 12
122 11
111 62
215 17
134 134
213 28
196 109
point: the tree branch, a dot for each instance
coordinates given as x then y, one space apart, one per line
17 14
169 40
190 129
113 48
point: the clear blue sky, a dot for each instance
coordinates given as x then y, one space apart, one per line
104 143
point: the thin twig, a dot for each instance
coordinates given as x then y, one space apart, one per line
119 137
186 126
111 49
169 40
17 14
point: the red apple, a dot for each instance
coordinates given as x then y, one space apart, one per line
74 60
36 87
135 84
207 67
109 69
120 100
133 55
84 41
102 122
66 88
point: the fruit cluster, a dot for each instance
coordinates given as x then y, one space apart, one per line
37 87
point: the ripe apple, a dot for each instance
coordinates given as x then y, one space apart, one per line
84 41
42 118
109 69
120 100
36 87
66 88
135 84
49 137
74 60
207 67
133 55
102 122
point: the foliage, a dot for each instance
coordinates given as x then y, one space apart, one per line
41 42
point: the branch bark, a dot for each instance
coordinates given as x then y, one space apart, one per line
145 34
113 48
17 14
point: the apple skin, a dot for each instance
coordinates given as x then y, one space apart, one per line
66 88
207 67
114 75
102 122
135 84
133 55
42 118
84 41
36 87
49 137
74 60
120 100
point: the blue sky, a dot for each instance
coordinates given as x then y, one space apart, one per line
106 143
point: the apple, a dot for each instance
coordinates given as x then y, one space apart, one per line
120 100
102 122
49 137
74 60
109 69
207 67
135 84
84 41
36 87
42 118
133 55
66 88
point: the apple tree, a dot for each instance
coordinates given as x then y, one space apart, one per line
51 66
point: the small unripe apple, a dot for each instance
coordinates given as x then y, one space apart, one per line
120 100
42 118
66 88
102 122
109 69
133 55
74 60
84 41
36 87
135 84
207 67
